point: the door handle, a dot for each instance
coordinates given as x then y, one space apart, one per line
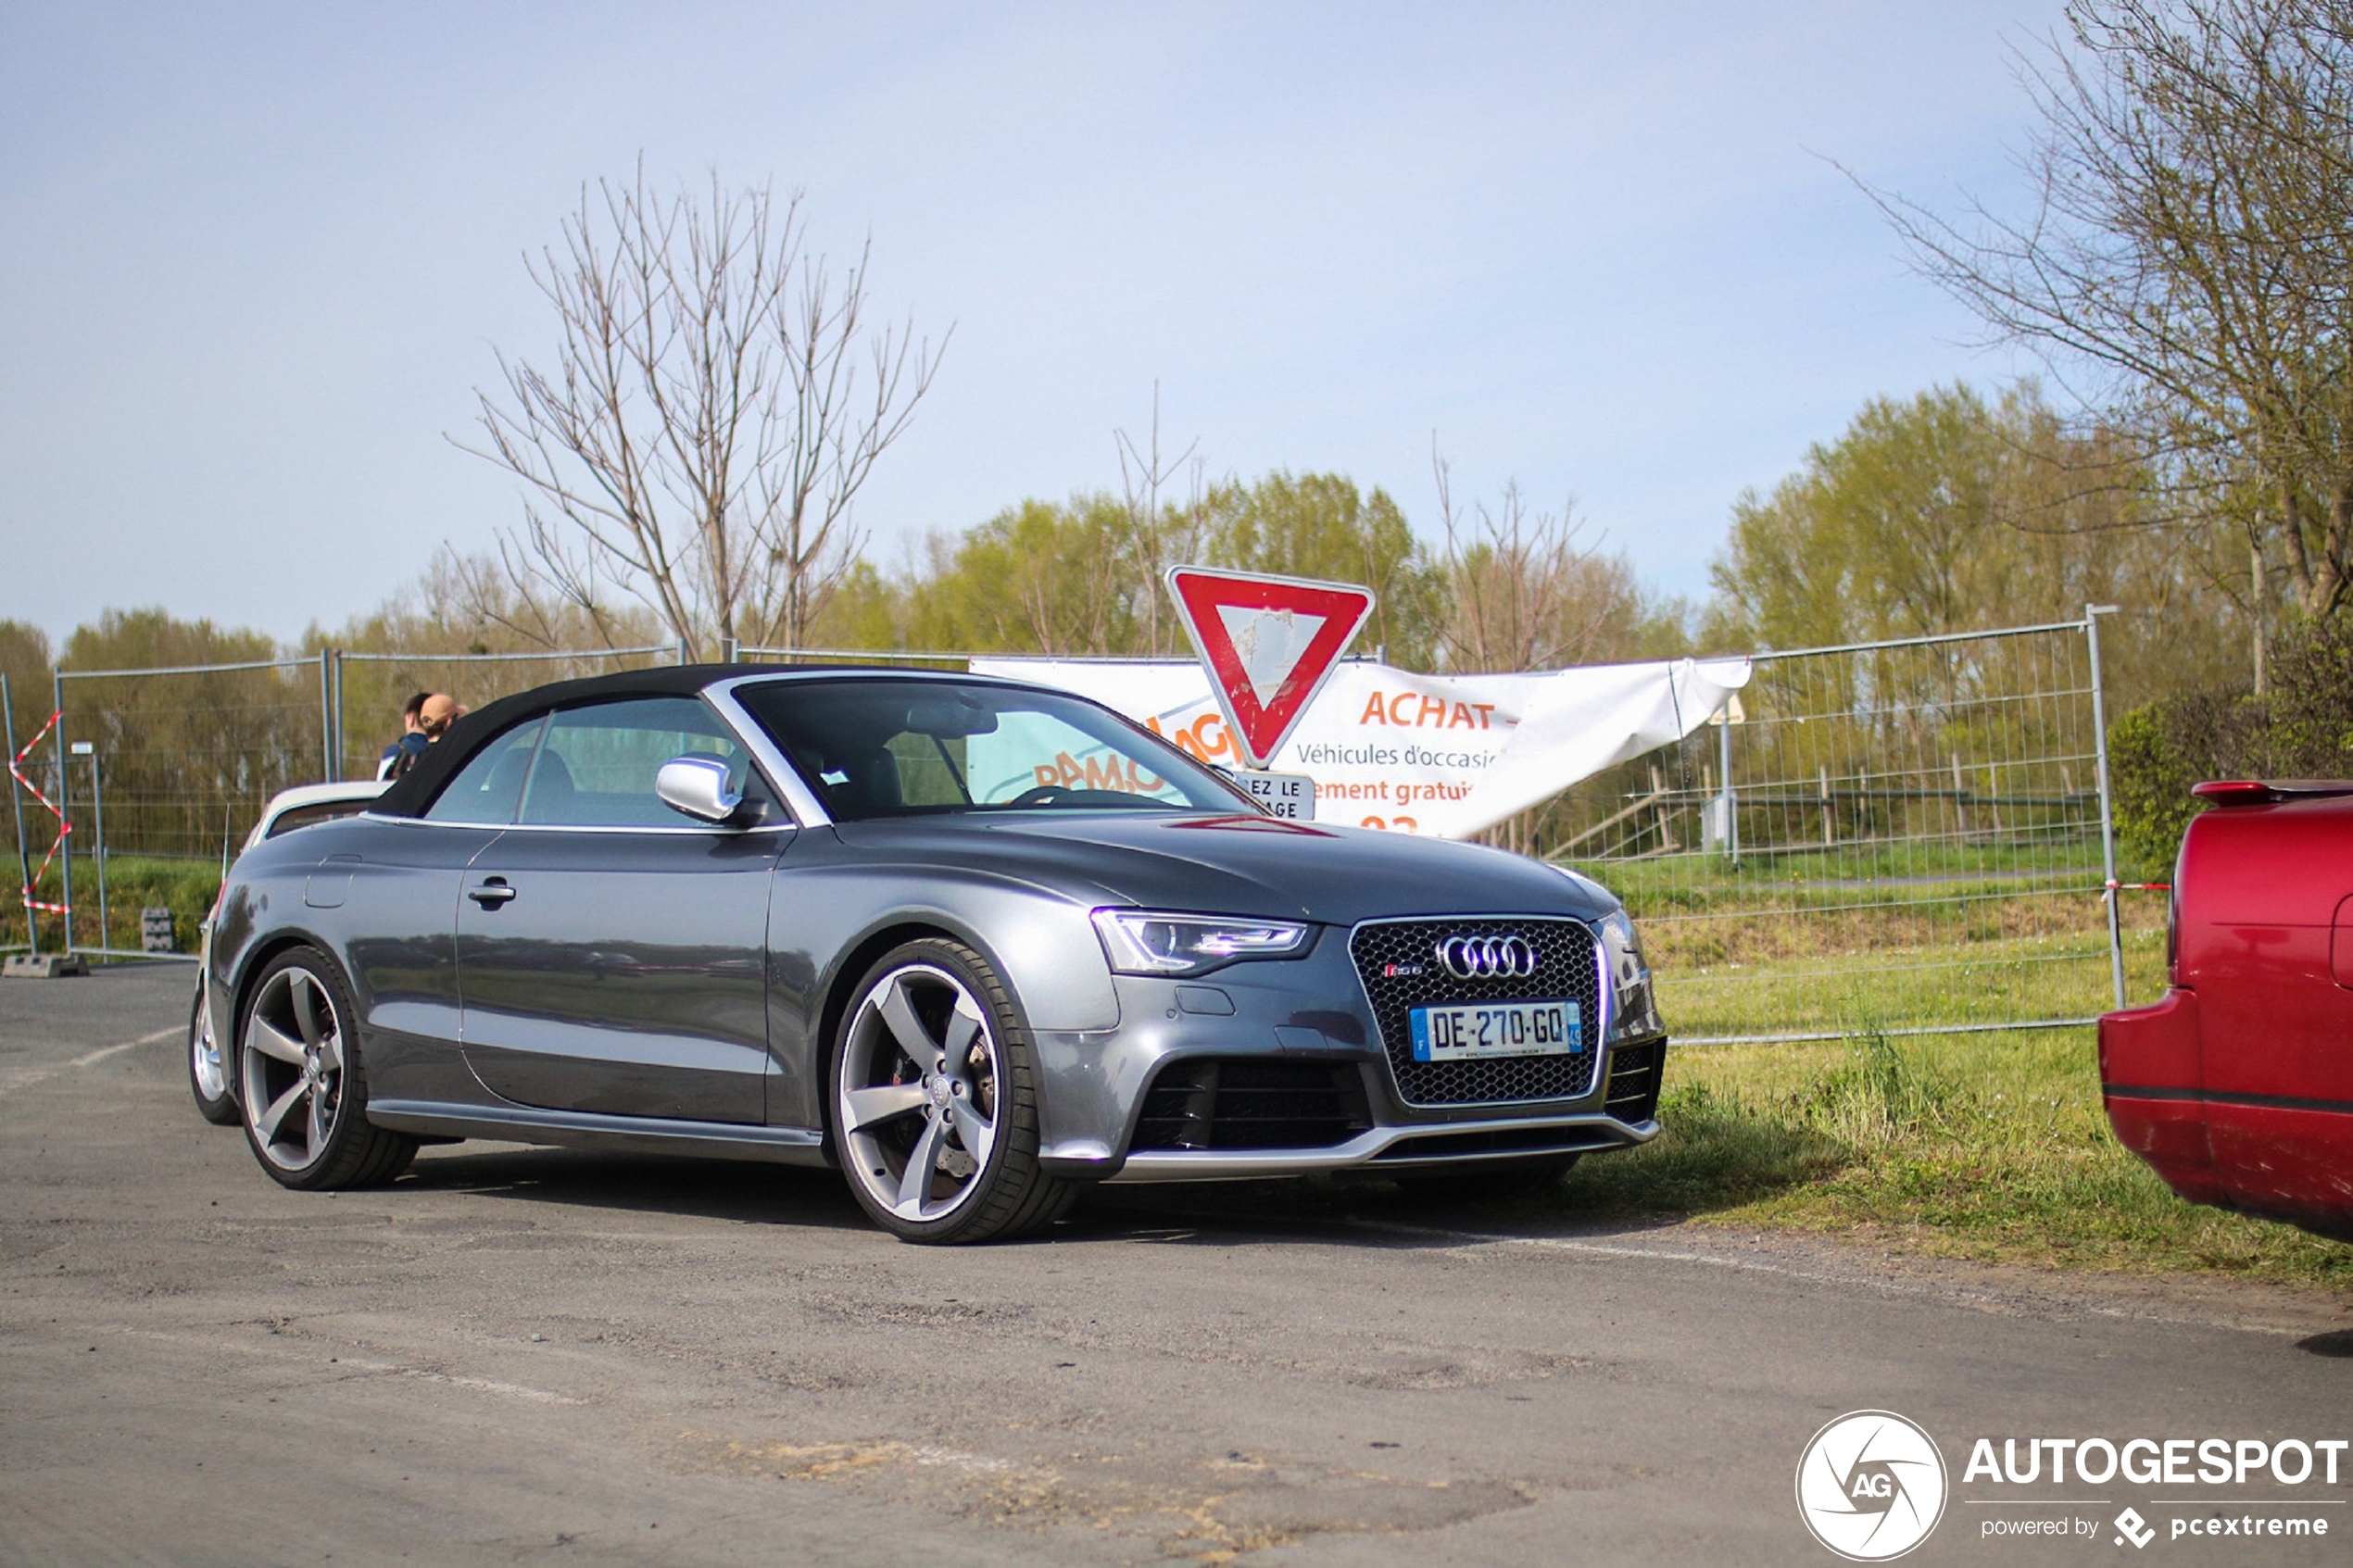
492 893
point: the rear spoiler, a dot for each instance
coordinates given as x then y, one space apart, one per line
2269 792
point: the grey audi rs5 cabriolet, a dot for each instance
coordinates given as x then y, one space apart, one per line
976 942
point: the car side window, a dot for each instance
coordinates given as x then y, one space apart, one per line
487 790
598 764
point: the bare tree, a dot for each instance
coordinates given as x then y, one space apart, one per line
716 402
1159 536
2192 249
1520 591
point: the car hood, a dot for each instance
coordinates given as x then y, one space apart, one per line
1244 865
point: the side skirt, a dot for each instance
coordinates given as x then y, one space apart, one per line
625 1135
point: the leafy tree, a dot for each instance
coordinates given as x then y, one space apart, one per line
864 613
24 653
1883 533
1321 525
1039 577
2301 728
1082 576
1945 513
186 759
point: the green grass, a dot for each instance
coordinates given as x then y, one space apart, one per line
1992 1146
1988 1147
1857 987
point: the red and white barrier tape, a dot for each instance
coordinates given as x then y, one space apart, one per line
65 828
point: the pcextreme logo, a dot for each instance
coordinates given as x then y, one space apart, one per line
1870 1486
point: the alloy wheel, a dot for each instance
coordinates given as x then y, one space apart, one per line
293 1063
917 1094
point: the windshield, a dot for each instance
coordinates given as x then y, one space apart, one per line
881 747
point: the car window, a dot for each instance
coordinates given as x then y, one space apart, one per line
488 788
879 748
598 765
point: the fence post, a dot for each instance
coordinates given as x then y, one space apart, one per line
334 775
1732 801
682 651
97 835
327 718
2091 614
65 810
16 803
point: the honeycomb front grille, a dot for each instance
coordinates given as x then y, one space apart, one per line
1398 962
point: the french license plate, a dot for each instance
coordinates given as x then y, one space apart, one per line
1464 1033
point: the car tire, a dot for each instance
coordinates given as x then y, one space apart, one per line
1488 1183
934 1104
208 1065
303 1085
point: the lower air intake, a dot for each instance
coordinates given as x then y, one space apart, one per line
1251 1103
1634 1075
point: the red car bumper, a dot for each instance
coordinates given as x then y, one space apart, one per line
2150 1078
2287 1158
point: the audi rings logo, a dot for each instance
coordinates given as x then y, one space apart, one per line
1488 958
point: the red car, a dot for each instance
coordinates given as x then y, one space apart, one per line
2237 1088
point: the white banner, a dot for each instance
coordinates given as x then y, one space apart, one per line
1443 755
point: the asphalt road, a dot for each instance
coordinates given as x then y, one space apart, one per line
538 1356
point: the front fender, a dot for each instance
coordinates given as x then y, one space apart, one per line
829 918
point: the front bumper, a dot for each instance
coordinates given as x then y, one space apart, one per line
1310 1012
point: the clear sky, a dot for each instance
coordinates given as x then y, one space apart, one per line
255 258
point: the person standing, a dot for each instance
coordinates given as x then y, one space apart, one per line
402 754
436 714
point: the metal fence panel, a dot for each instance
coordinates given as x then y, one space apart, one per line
178 758
1903 837
164 764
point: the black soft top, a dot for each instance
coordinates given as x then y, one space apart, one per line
414 790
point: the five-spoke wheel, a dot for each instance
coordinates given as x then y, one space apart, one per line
305 1095
935 1115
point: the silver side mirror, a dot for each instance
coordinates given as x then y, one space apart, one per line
696 787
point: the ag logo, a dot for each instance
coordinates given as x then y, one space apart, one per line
1870 1486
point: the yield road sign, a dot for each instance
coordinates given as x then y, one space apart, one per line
1268 644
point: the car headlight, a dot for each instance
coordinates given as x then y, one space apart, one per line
1637 1010
1145 941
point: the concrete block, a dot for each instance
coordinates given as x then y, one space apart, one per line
45 966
